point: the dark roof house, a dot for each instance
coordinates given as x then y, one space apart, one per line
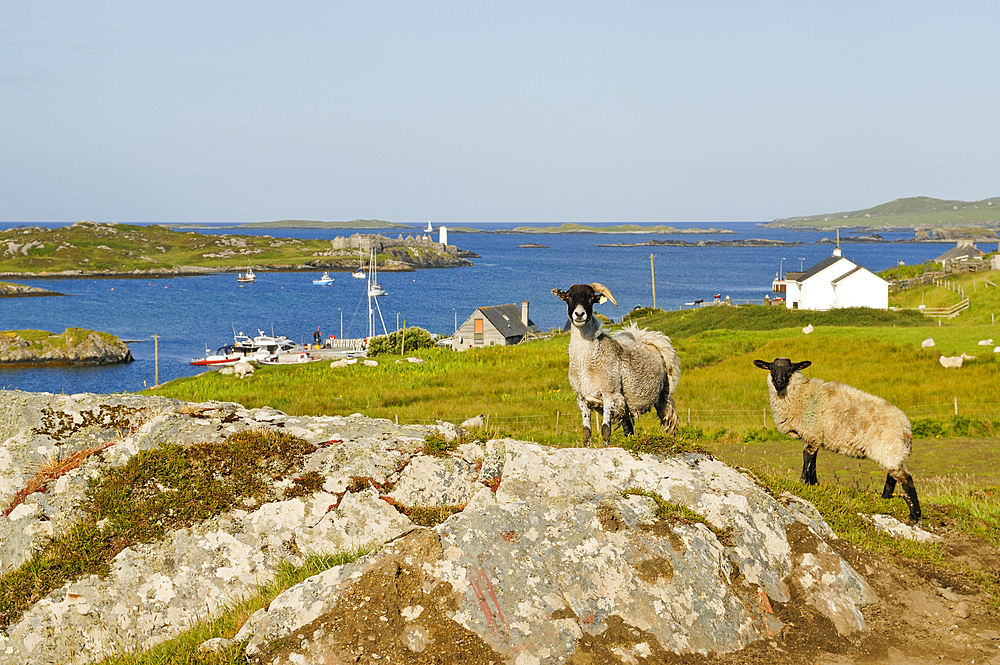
502 325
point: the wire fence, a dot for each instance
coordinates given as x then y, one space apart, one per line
730 419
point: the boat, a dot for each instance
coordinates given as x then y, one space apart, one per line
325 280
429 229
247 276
226 355
374 289
374 292
360 272
289 359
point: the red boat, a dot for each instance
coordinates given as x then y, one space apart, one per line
227 355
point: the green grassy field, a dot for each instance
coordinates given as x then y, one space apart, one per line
722 398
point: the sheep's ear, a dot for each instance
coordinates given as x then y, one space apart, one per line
763 364
604 293
559 293
802 365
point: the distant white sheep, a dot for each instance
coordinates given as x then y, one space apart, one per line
622 376
843 419
927 343
808 329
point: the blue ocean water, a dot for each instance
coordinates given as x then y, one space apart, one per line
190 313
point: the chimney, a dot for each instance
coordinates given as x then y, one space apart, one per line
524 313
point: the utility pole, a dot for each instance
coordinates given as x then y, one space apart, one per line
652 269
156 356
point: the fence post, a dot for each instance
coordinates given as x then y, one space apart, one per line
763 413
557 423
956 405
689 415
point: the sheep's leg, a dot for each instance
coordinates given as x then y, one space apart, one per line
627 423
890 486
909 492
585 414
808 476
614 407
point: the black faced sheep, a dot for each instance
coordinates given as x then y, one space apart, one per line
843 419
622 376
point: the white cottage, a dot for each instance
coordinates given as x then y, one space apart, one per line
833 283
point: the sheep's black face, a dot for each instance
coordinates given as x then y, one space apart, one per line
781 370
580 301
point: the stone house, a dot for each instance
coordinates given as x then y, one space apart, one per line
499 325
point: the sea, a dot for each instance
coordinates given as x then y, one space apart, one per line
177 318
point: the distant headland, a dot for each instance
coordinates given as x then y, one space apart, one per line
961 219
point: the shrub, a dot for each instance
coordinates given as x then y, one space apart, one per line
386 345
927 428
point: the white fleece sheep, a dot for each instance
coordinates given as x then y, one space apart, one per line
843 419
623 376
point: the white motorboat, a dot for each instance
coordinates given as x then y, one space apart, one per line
325 280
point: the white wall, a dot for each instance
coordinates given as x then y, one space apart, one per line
862 289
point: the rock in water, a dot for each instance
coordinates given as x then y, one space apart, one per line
74 346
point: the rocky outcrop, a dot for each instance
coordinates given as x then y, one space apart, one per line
551 551
8 290
74 346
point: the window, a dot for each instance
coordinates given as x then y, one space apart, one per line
479 331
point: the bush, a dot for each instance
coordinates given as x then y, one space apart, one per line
927 428
387 345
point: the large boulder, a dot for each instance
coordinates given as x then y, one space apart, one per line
552 552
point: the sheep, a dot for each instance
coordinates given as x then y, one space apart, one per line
621 376
842 419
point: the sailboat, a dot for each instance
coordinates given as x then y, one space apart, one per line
374 290
429 229
360 272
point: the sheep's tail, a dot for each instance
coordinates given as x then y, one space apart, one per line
665 407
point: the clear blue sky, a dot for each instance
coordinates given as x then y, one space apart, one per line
492 111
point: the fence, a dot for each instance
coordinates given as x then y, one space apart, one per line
716 419
947 312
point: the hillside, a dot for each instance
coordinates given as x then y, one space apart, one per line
914 212
90 248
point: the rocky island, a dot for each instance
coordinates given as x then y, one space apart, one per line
745 242
74 346
88 248
8 290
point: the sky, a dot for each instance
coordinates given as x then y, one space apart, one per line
542 110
